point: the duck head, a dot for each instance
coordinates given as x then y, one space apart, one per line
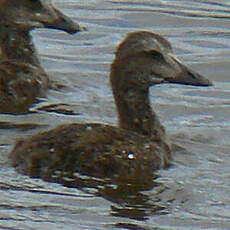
30 14
144 59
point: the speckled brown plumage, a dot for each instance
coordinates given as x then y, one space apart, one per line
130 152
91 149
22 78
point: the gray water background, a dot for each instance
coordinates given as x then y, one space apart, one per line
197 187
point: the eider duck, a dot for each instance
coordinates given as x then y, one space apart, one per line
22 79
128 152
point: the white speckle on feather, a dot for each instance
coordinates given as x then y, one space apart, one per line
88 128
131 156
52 150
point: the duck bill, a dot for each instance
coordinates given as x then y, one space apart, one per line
64 23
189 77
184 75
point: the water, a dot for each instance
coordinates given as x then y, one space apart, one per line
194 192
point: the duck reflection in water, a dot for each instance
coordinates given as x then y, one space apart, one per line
22 78
124 155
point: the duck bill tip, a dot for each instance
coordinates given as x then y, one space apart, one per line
193 81
77 29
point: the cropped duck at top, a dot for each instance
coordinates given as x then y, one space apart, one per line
139 145
22 79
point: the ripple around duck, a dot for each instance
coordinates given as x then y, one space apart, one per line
193 193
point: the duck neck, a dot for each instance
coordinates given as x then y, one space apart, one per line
17 45
135 112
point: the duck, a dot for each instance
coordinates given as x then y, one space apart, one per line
135 148
22 78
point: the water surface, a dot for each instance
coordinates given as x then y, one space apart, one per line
194 192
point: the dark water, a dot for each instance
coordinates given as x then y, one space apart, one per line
194 192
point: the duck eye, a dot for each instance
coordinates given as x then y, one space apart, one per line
155 54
